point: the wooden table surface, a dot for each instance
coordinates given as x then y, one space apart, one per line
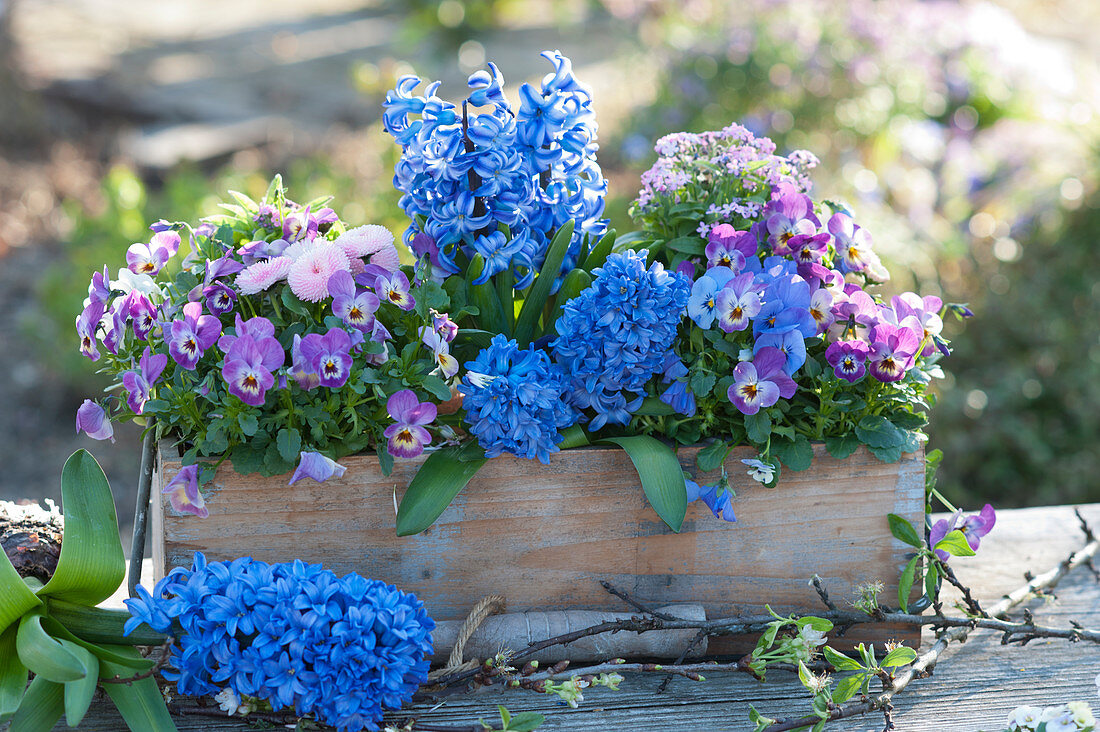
974 687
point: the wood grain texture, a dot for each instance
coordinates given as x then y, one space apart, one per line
975 686
544 536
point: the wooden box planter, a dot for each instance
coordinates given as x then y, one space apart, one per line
544 536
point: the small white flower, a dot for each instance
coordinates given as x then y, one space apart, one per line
228 701
1058 719
759 470
1082 714
1024 718
478 379
745 354
128 281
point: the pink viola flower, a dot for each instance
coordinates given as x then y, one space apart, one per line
893 349
738 302
249 365
139 382
821 309
372 242
93 421
974 527
309 274
354 308
727 247
150 258
848 359
760 383
189 337
300 370
393 287
329 356
183 492
317 466
407 436
86 324
925 310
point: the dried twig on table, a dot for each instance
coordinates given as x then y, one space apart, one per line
162 660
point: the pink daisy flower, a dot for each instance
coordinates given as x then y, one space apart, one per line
373 241
309 274
262 275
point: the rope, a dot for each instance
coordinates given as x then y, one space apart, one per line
485 607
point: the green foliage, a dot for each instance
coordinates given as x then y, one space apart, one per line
439 480
661 475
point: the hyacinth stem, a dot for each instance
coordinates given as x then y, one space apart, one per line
100 625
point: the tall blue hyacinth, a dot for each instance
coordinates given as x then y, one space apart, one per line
466 170
618 333
342 648
514 401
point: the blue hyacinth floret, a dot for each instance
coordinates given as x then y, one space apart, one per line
514 401
341 648
615 335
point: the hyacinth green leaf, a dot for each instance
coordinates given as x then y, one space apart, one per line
573 436
599 253
485 298
574 284
538 292
955 544
15 597
42 707
139 702
479 338
43 654
661 475
79 693
13 675
99 625
434 486
60 632
92 564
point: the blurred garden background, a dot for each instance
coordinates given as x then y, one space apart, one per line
964 134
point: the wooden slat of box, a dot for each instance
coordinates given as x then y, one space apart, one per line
544 536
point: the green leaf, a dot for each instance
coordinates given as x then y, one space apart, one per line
712 456
479 338
42 654
909 420
877 431
758 427
432 489
573 436
599 252
139 702
79 693
797 455
572 285
537 294
98 625
293 304
437 387
525 722
842 446
804 675
931 577
821 625
15 597
92 564
485 297
900 656
905 584
903 530
289 444
13 675
691 245
249 424
839 661
42 707
955 544
702 383
887 454
60 632
661 475
846 688
654 407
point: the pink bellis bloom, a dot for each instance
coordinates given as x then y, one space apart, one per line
974 527
189 337
309 274
93 421
760 383
183 492
317 466
373 242
140 381
263 274
407 436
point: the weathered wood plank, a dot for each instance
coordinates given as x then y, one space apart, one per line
545 538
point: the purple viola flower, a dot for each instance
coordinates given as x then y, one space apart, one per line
738 303
893 349
142 314
821 309
255 251
790 213
139 382
702 305
329 356
853 244
791 344
393 287
220 298
99 289
678 395
855 313
189 338
300 225
809 248
727 247
183 492
300 370
86 324
720 505
848 359
446 364
407 436
444 327
317 466
93 421
249 364
924 310
257 328
974 527
115 331
355 309
760 383
150 258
